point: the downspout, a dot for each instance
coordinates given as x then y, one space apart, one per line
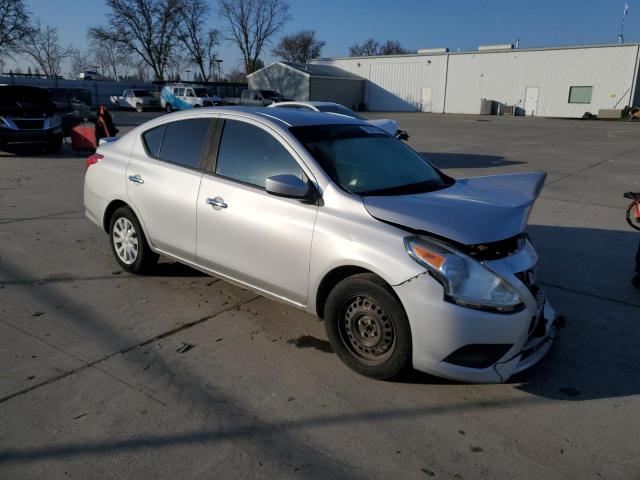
446 81
634 81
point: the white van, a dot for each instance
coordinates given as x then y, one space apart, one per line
179 96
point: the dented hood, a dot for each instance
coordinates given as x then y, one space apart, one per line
471 211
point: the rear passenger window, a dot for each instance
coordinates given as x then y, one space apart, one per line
153 140
180 142
249 154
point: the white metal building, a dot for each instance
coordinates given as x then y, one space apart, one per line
551 82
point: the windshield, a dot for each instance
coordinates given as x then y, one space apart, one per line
339 109
142 93
269 93
364 160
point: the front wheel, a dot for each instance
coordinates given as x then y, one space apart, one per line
139 107
128 243
368 327
168 108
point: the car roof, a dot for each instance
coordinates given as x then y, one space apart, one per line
304 102
291 117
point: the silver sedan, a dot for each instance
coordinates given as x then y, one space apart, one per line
406 265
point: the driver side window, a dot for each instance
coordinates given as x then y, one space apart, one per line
249 154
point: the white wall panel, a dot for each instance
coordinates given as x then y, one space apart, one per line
396 82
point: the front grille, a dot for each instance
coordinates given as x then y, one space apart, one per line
29 124
495 250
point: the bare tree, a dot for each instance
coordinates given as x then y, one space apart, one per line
199 43
42 45
371 47
80 62
367 48
113 58
14 24
237 75
145 27
299 47
252 24
392 47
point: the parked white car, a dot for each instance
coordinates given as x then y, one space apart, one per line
136 98
388 125
406 265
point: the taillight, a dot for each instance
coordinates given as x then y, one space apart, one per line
93 159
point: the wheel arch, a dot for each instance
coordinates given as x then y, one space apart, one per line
335 276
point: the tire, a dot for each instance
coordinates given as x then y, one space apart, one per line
368 327
118 107
133 252
196 106
139 107
168 108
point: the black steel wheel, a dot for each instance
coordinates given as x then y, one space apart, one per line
368 327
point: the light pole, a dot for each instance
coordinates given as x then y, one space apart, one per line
218 63
188 74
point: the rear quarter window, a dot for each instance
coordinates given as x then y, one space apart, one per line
152 140
180 142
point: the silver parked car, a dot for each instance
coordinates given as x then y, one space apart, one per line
407 266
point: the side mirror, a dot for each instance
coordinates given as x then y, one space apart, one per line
288 186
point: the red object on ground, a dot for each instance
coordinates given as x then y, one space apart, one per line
83 137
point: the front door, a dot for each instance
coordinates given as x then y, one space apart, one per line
246 234
427 93
531 101
163 179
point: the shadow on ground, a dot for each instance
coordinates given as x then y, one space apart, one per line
596 355
466 160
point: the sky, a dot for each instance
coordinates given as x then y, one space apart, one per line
461 24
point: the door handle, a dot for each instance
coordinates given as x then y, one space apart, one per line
216 202
136 179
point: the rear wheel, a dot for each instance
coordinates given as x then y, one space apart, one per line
368 327
138 107
128 243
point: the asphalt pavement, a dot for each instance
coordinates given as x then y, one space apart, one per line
181 375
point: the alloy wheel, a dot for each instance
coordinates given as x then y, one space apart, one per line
125 240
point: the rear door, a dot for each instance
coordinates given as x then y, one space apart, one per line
163 179
245 233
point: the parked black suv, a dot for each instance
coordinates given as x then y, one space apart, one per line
28 119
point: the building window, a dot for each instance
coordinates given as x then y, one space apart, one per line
580 94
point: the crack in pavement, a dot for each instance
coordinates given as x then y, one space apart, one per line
593 295
40 217
160 336
584 169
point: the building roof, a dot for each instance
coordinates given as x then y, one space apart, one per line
467 52
315 70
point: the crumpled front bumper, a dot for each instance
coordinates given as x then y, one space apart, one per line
439 328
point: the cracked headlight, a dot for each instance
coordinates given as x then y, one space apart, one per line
466 281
